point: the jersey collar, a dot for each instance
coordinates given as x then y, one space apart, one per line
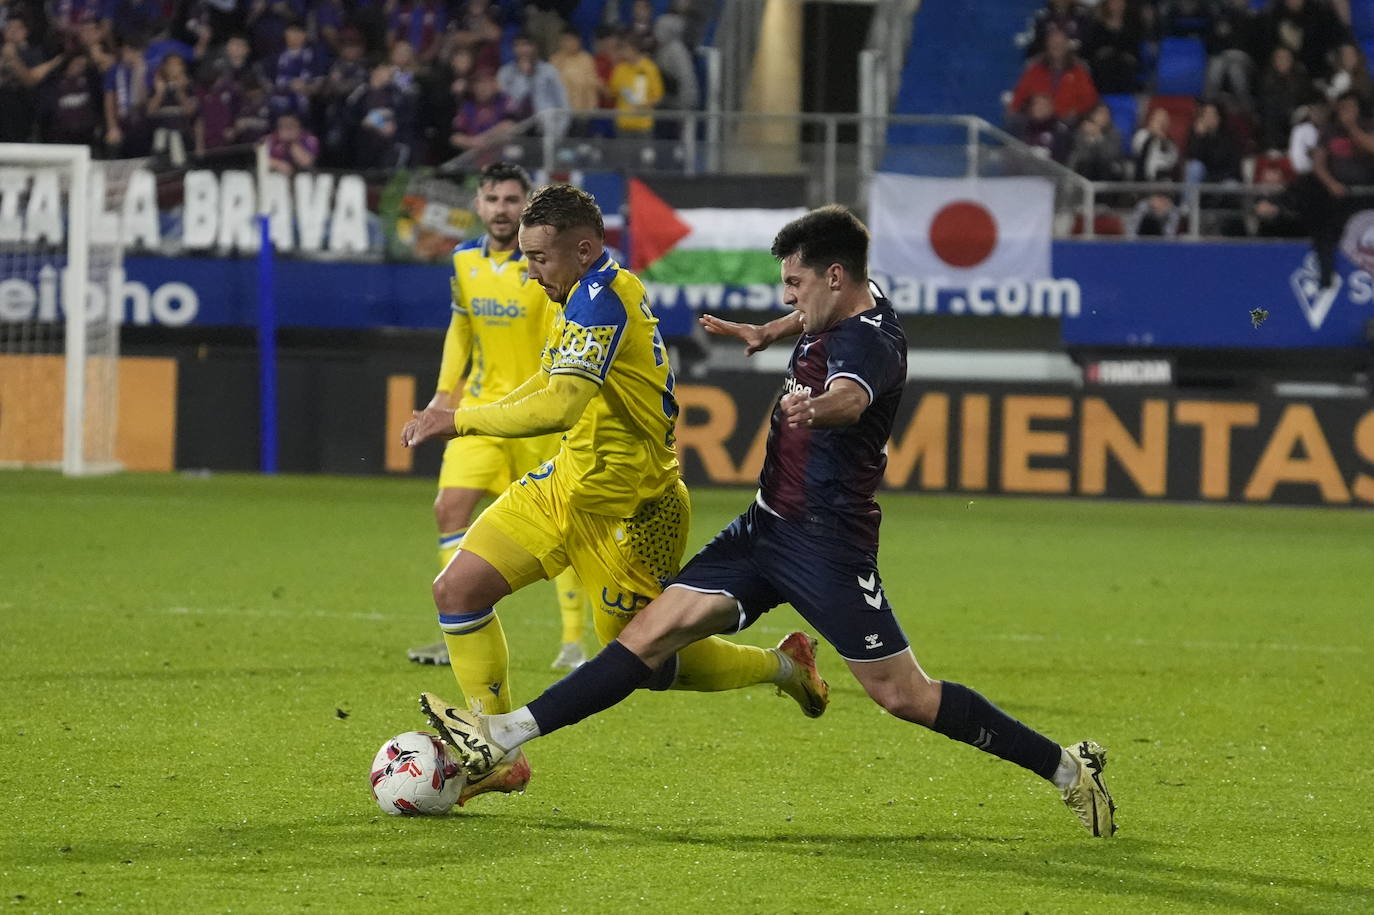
601 264
515 255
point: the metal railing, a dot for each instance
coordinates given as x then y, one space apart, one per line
836 154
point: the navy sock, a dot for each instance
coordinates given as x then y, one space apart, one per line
594 687
966 716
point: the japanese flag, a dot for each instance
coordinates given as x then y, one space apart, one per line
960 230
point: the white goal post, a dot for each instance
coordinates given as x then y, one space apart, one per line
59 351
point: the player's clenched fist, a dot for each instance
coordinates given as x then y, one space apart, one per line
432 422
797 409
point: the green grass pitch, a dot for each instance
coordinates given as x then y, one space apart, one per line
174 650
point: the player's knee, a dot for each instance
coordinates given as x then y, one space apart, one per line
450 591
908 700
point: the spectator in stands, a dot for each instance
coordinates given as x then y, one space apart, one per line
1308 28
1043 131
1096 150
1230 43
680 91
421 23
1065 16
442 89
22 68
1350 73
533 86
1156 155
329 26
577 69
346 75
406 82
136 17
1059 73
1343 161
606 54
127 85
487 115
478 28
1306 136
1111 47
254 118
71 112
220 104
374 109
89 39
235 58
1278 213
545 21
637 87
297 75
1157 215
1213 156
267 21
1284 86
171 110
65 17
641 27
290 147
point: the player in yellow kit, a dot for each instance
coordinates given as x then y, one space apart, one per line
611 502
499 324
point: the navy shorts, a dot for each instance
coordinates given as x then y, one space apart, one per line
761 561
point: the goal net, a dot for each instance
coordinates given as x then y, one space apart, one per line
61 275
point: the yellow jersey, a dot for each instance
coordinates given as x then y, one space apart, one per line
637 87
499 325
620 452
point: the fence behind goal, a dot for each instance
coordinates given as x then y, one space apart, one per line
60 276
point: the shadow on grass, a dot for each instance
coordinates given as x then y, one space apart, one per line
1126 868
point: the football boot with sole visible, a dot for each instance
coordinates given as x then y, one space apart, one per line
1088 796
462 729
804 684
512 773
570 657
430 654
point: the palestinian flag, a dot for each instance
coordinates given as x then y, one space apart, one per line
696 242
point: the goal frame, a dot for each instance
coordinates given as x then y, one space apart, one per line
74 283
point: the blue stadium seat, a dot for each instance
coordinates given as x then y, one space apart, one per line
1125 112
1182 67
1362 19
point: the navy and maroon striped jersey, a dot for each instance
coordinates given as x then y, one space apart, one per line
828 477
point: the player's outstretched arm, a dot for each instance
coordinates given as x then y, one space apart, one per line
554 406
756 337
841 405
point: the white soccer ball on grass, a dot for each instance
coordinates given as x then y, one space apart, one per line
416 774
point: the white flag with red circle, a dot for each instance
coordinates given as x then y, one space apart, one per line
960 230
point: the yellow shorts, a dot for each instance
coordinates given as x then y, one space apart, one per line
491 464
532 532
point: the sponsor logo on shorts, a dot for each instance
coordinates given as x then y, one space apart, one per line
872 641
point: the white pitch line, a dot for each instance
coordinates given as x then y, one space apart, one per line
373 616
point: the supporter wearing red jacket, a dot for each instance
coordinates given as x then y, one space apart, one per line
1059 74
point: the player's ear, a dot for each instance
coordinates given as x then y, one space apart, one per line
834 277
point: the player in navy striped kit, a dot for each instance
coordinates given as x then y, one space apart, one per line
809 539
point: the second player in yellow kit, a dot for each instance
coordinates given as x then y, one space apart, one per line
496 333
611 503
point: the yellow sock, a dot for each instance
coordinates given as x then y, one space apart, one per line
572 605
480 660
714 664
448 545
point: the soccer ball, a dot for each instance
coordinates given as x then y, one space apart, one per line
415 774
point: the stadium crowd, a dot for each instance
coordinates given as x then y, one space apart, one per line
341 83
1274 95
